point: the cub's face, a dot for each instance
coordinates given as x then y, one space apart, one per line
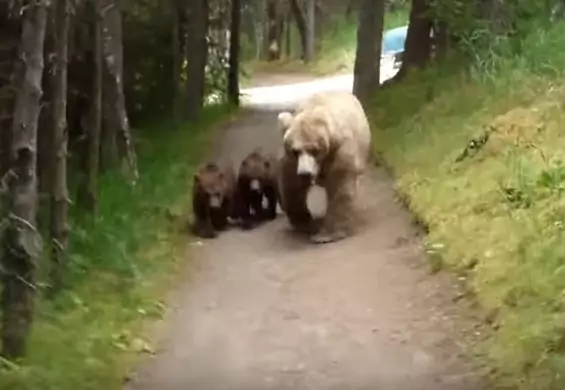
254 169
213 185
305 140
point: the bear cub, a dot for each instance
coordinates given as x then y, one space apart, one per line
257 189
212 199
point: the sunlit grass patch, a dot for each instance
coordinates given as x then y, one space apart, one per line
497 211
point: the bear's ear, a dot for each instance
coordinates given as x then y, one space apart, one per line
285 119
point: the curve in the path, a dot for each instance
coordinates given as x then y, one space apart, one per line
267 310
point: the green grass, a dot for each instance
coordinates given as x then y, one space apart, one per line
336 50
498 214
122 263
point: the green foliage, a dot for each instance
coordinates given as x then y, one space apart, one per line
502 207
120 264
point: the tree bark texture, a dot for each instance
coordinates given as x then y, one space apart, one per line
114 86
368 56
10 33
95 115
233 71
418 46
196 52
300 25
177 58
59 190
22 241
275 21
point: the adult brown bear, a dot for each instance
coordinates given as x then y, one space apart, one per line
212 199
330 139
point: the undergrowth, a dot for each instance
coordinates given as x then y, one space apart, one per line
121 264
480 156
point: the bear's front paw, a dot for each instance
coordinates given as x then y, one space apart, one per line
326 237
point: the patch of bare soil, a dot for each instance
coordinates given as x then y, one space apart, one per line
265 309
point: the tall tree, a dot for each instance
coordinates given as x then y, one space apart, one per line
9 31
177 57
300 25
94 127
233 70
21 241
59 191
196 53
118 122
369 40
418 46
311 30
274 29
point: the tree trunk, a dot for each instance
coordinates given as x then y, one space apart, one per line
418 46
89 198
233 71
310 30
59 191
10 33
273 31
300 25
113 65
196 52
21 241
177 59
288 34
368 56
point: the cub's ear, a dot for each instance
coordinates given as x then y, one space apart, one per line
284 119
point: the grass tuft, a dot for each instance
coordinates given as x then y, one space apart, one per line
121 265
501 208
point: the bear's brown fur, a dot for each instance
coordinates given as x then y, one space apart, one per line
212 199
256 182
329 138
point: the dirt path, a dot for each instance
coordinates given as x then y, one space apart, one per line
266 310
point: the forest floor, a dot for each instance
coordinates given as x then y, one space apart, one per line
264 309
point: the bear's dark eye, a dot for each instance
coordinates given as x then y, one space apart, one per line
295 152
313 152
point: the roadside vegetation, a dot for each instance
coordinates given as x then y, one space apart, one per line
121 266
478 151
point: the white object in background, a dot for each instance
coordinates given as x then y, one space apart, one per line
317 201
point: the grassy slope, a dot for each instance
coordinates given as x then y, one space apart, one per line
497 217
120 265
